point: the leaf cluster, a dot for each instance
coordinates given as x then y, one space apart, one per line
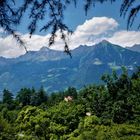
110 111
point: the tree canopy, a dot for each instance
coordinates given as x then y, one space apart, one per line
96 112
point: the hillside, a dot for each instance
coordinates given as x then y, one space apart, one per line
135 48
55 70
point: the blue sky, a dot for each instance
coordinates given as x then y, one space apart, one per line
102 22
75 16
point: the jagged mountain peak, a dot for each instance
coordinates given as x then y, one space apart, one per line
104 42
45 53
135 48
46 49
136 45
56 71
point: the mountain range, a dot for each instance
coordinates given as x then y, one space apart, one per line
56 71
135 48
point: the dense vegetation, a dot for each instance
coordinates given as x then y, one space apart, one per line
96 112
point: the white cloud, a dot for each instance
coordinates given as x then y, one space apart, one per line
97 26
86 33
90 32
125 38
36 41
10 48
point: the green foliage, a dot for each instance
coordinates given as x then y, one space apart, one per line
71 91
7 96
59 96
34 120
103 112
27 96
6 130
8 99
67 113
10 116
24 96
55 98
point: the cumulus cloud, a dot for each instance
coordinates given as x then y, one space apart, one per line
90 32
97 26
125 38
10 48
87 33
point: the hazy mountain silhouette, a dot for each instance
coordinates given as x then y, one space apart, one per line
55 70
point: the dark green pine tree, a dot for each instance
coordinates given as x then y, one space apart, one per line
8 99
7 96
71 91
41 96
24 96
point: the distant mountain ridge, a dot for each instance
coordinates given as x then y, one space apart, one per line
135 48
56 71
